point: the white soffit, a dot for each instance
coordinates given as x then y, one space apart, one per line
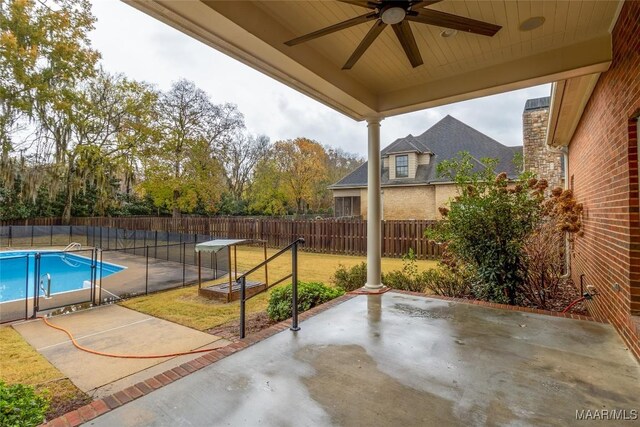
568 101
574 41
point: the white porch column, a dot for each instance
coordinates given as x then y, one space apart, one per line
374 215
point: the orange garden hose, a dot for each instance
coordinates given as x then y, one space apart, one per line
573 303
121 356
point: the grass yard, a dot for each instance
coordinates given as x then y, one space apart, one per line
185 307
22 364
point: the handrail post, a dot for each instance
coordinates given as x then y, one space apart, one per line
36 290
146 270
199 270
26 289
294 287
100 288
184 255
243 284
94 262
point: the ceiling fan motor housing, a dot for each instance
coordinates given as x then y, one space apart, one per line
393 14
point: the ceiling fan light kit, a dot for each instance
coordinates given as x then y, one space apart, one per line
393 15
398 14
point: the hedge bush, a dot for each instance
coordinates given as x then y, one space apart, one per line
448 279
350 279
309 295
21 406
448 283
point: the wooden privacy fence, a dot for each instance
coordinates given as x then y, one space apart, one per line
335 236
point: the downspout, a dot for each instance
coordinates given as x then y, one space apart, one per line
567 244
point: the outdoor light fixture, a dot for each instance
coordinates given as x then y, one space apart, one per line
448 33
393 15
532 23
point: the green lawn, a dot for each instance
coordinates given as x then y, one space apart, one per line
22 364
184 306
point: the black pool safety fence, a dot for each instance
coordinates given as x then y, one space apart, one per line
32 281
105 264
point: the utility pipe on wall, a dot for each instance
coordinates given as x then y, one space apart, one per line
567 245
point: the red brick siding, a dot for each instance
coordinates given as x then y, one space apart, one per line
603 159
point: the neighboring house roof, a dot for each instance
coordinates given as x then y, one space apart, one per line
444 141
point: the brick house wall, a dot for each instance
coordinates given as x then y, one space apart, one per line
543 160
603 172
417 202
406 202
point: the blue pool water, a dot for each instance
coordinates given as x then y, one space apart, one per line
68 272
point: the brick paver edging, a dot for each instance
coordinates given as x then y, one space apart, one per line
108 403
505 306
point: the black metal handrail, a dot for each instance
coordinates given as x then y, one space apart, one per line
242 282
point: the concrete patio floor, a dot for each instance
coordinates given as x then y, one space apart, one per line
399 360
113 329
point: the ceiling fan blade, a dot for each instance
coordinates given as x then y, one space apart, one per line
455 22
333 28
373 33
367 4
408 42
424 3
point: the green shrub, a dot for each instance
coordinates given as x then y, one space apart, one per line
350 279
407 279
20 406
399 279
448 283
487 224
309 295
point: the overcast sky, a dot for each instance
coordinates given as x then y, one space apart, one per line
143 48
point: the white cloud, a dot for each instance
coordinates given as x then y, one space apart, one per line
143 48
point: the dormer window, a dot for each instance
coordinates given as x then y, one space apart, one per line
402 166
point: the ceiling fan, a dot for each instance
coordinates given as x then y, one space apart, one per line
398 13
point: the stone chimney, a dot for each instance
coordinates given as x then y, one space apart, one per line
539 158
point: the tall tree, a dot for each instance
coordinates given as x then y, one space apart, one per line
94 137
267 195
183 167
339 164
302 163
240 157
294 176
44 52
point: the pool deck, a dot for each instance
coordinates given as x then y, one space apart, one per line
139 276
113 329
400 360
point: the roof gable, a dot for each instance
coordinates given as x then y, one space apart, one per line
408 144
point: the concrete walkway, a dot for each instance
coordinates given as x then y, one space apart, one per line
398 360
113 329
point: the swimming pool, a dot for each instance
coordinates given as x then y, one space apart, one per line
68 272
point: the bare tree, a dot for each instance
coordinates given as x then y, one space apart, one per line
240 157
